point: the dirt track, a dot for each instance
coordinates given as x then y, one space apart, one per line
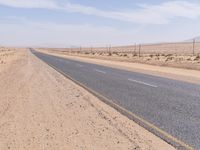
40 109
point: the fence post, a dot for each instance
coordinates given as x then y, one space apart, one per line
109 48
91 49
139 50
193 47
135 48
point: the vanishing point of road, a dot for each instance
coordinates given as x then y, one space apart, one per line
171 105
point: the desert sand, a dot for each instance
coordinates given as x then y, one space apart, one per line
42 110
180 55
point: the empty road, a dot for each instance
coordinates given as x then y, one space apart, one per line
171 105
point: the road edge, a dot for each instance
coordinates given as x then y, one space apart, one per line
140 121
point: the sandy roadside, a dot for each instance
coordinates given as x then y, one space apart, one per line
41 109
8 56
187 75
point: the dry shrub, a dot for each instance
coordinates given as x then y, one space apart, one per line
134 55
87 53
109 54
151 55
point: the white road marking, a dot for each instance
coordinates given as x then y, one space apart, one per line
63 61
97 70
79 65
155 86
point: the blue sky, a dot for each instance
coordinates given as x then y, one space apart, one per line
65 23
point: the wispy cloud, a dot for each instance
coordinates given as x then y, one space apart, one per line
45 4
148 14
24 32
16 31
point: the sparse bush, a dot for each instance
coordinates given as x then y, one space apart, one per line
169 58
134 54
168 55
87 53
151 55
125 55
162 54
115 53
188 59
157 55
109 54
197 58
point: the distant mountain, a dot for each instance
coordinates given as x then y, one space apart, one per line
197 39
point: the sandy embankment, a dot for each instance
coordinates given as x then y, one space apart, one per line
187 75
41 109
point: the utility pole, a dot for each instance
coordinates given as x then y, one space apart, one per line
193 47
139 50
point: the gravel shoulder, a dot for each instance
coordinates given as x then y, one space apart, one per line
41 109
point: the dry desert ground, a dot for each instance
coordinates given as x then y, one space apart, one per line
42 110
179 55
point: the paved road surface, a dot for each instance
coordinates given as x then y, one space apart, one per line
171 105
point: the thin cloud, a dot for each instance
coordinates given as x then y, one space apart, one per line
49 34
24 32
44 4
161 13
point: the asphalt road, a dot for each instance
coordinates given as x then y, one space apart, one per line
171 105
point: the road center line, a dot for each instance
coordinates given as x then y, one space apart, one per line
79 65
97 70
63 61
140 82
